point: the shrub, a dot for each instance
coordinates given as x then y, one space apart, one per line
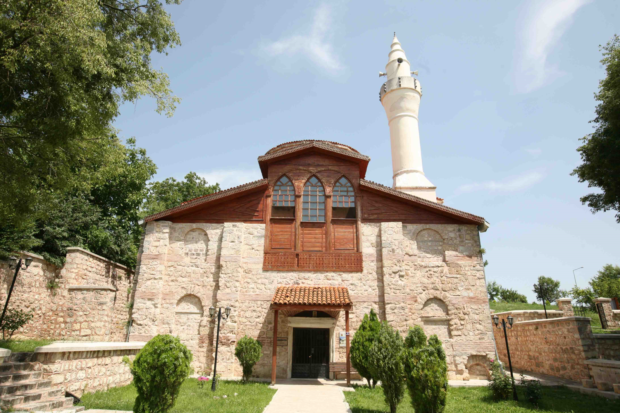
158 371
248 352
385 357
500 384
426 371
13 320
532 390
365 335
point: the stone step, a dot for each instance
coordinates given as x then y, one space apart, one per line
73 409
6 378
16 367
24 386
21 357
46 405
32 396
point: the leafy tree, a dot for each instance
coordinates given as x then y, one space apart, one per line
607 282
426 371
66 67
494 290
170 193
248 352
158 371
14 319
362 341
386 364
511 296
600 152
549 288
584 297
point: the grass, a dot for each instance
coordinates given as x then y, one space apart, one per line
479 400
251 398
23 346
595 322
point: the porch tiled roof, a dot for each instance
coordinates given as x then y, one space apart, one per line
311 295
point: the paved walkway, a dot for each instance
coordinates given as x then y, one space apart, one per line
309 396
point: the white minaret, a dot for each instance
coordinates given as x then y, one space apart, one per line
400 96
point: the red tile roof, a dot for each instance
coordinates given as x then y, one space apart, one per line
311 295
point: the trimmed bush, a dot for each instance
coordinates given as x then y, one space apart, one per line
248 352
426 371
532 390
386 364
365 335
158 371
14 319
500 384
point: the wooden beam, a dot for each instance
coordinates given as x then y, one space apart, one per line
346 318
274 357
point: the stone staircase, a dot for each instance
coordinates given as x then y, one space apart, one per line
22 388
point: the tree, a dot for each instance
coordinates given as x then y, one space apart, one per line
606 283
170 193
584 298
600 152
494 290
14 319
386 364
426 371
248 352
362 341
66 67
548 288
158 371
508 295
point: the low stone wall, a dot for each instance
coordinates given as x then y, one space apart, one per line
556 346
86 367
605 374
608 346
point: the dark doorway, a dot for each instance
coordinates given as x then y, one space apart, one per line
310 353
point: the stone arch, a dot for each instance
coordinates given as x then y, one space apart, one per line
188 314
478 367
436 319
430 246
195 243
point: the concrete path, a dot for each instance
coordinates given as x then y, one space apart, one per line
309 396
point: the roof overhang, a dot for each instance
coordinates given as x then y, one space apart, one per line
320 147
315 298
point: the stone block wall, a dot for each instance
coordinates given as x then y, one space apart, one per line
610 314
608 346
430 275
91 301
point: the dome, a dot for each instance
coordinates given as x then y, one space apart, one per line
290 145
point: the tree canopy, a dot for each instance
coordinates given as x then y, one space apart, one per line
606 283
600 152
548 289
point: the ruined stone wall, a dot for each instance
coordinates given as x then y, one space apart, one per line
89 300
186 268
557 346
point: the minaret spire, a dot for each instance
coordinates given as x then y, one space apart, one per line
400 96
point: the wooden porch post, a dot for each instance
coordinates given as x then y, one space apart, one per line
346 318
274 357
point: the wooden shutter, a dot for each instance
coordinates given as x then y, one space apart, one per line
313 236
344 236
283 234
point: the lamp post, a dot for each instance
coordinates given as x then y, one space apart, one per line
14 263
574 276
217 337
510 321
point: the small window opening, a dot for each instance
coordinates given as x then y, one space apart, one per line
283 205
343 205
313 201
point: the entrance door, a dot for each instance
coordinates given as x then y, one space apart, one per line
310 353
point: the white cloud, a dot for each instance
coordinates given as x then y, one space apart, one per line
541 29
228 178
314 45
514 184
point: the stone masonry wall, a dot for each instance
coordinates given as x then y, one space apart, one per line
431 275
608 346
91 301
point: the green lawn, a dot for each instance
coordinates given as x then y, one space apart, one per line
251 397
23 346
479 400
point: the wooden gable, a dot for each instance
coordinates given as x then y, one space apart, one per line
380 208
248 208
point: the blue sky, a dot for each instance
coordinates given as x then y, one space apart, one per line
508 92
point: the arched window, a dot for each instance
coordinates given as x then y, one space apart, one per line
343 199
283 199
313 201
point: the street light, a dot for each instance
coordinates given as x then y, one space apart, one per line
574 276
510 321
217 339
17 265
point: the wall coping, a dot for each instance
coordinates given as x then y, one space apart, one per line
615 311
602 300
5 352
565 300
116 264
531 312
92 287
614 364
76 346
607 336
555 320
